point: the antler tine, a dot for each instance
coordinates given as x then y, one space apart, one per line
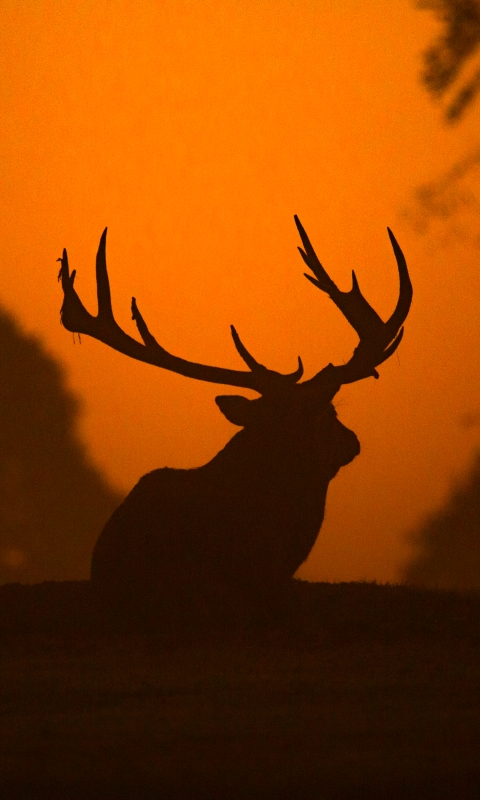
76 318
359 313
250 361
405 295
255 365
103 284
378 339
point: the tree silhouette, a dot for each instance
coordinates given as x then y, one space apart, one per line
451 75
53 501
445 61
448 543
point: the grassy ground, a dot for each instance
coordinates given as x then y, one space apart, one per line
359 691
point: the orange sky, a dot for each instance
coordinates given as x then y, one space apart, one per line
195 130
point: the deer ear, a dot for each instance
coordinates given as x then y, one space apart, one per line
236 409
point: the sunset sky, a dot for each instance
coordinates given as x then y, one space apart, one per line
196 129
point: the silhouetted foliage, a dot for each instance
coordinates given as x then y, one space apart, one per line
445 59
53 501
451 75
452 196
448 542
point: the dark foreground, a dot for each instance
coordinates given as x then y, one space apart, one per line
357 691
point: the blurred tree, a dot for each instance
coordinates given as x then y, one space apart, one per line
448 542
53 501
448 73
451 74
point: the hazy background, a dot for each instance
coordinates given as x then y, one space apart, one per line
195 130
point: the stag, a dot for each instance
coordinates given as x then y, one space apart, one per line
240 525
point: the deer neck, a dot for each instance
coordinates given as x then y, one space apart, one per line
250 461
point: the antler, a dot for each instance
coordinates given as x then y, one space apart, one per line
378 339
76 318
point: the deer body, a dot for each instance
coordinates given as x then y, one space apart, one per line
240 526
242 523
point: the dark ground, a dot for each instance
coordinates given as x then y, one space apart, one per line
358 691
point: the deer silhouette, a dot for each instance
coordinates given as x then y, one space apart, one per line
240 525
